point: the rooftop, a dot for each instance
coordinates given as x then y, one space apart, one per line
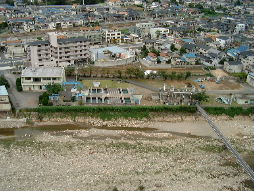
42 72
3 91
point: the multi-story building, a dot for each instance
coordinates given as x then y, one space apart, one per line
58 51
113 36
37 78
159 32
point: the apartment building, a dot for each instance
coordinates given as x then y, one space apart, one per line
113 36
58 51
37 78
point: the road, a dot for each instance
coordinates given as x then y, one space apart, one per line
21 100
227 92
238 157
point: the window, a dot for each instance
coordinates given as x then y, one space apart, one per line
54 78
27 78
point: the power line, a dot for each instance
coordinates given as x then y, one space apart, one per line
238 157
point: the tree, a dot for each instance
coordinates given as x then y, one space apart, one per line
182 50
221 62
119 72
4 82
153 50
54 88
158 60
144 52
168 61
158 34
173 48
201 97
18 84
44 99
163 75
187 75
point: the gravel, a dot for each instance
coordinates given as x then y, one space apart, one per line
94 160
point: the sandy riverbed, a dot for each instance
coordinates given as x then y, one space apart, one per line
108 158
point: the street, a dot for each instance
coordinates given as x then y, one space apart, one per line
21 100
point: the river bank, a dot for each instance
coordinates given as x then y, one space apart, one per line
166 152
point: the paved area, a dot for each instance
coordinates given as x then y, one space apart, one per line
21 100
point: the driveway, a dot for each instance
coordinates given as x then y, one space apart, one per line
21 100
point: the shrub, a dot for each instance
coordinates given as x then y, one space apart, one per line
18 84
4 82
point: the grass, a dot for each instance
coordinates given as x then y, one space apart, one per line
106 83
213 148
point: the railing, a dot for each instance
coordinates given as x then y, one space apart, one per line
238 157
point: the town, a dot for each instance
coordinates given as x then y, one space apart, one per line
141 47
126 94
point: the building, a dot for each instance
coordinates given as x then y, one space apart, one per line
233 66
37 78
223 41
250 79
159 32
113 36
93 34
58 51
4 99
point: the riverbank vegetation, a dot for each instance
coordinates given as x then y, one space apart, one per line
135 112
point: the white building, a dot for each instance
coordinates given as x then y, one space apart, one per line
250 79
58 51
113 36
4 99
248 64
233 66
159 32
223 40
37 78
240 28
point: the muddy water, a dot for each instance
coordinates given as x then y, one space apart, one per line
30 131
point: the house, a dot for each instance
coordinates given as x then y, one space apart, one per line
250 79
233 66
37 78
159 32
113 36
244 99
223 41
4 99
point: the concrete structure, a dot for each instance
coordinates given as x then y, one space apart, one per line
250 79
233 66
4 99
37 78
159 32
58 51
111 53
110 96
113 36
93 34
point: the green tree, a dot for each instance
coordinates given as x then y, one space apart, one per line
4 82
163 75
173 48
182 50
187 75
18 84
201 97
153 50
144 52
44 99
221 62
54 88
168 61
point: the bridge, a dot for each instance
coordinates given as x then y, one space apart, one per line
238 157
